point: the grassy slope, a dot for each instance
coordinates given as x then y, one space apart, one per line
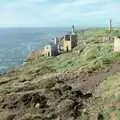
106 104
92 53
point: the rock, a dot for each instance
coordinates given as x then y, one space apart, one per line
84 110
37 105
41 99
51 116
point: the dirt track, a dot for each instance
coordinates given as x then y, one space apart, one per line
88 81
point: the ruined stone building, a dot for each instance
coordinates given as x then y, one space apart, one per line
57 43
52 49
56 40
70 41
117 44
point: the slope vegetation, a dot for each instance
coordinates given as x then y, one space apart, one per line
70 86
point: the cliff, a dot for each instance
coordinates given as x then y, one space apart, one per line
79 85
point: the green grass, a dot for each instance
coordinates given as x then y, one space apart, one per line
108 103
85 57
91 55
94 52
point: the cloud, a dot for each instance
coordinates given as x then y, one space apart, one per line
57 12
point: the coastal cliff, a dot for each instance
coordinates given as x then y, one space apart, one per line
78 85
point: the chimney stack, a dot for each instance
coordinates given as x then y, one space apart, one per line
73 29
110 25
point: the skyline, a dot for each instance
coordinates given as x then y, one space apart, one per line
58 13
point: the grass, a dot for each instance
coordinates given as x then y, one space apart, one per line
86 56
94 52
91 55
108 105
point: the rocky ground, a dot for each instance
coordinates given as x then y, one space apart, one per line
62 97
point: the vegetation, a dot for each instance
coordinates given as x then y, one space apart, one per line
107 99
93 52
53 88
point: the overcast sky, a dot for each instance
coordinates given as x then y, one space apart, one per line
58 13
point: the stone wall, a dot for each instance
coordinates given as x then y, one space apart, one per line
67 46
74 40
117 44
70 41
51 50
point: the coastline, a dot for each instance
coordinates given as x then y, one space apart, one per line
36 34
65 86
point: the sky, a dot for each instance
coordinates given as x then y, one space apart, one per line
59 13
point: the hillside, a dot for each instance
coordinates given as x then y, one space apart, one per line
80 85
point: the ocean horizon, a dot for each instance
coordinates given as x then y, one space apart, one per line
17 43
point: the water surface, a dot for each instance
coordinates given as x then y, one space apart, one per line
17 43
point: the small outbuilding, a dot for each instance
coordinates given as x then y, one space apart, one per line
117 44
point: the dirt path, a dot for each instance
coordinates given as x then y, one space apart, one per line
88 81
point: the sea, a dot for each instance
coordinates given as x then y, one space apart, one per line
17 43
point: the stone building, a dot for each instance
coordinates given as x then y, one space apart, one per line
70 41
52 49
56 40
117 44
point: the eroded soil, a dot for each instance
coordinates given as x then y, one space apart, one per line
63 99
